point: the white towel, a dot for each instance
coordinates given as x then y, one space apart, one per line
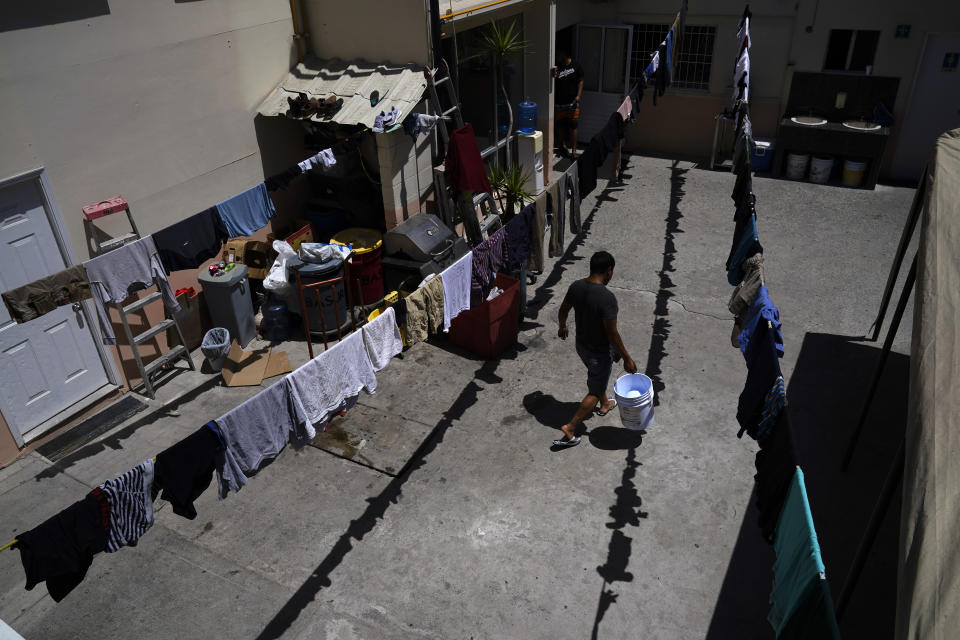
321 386
381 337
456 288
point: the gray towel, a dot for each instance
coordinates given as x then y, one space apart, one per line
114 274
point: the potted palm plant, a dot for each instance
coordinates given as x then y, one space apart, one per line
509 183
501 41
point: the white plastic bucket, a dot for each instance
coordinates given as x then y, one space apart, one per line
797 165
853 171
634 394
820 168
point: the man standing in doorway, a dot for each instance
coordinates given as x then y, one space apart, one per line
568 89
595 313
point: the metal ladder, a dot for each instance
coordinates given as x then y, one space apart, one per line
464 208
116 205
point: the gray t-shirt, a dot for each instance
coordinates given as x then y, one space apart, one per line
592 304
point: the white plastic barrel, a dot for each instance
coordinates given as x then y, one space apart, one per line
820 168
634 394
853 171
797 165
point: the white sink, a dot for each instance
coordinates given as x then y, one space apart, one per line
809 121
860 125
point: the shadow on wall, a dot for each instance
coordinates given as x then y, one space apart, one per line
825 394
27 15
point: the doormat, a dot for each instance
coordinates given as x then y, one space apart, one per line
91 428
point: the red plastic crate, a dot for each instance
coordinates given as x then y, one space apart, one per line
487 330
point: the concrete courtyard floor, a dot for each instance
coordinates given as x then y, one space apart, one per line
481 530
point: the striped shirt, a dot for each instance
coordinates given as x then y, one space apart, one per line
131 506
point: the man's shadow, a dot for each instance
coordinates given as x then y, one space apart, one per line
554 413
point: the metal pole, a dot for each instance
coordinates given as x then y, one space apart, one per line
905 237
887 344
892 481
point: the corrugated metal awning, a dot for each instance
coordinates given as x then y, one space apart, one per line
457 9
399 86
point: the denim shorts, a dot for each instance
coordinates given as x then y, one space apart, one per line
599 366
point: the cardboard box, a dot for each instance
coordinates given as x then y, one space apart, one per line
303 233
257 255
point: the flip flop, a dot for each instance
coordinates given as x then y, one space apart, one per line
602 413
563 442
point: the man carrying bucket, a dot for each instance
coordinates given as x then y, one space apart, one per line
595 313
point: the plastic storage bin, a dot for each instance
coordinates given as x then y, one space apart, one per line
488 329
230 303
761 155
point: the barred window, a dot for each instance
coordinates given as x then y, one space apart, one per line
694 58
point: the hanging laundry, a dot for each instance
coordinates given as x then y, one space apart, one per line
562 205
116 274
489 258
400 307
456 288
743 35
283 179
321 387
61 549
189 243
247 212
184 471
653 65
381 339
762 377
518 238
425 309
131 506
258 430
42 296
661 77
573 195
600 145
745 244
741 78
775 464
322 160
746 207
417 124
464 167
762 310
814 616
555 246
746 291
799 566
539 229
668 47
625 109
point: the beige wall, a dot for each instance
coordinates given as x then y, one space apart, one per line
376 30
154 101
896 57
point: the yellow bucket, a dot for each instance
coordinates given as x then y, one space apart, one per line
362 240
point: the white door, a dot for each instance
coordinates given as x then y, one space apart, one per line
934 105
604 53
52 362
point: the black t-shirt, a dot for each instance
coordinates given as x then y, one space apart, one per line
592 304
567 80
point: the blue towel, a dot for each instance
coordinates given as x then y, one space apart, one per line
669 61
246 212
798 560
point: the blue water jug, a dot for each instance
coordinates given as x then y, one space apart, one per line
276 320
527 116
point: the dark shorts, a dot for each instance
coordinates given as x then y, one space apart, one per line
599 366
567 116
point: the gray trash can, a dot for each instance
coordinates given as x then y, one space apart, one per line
230 303
216 346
